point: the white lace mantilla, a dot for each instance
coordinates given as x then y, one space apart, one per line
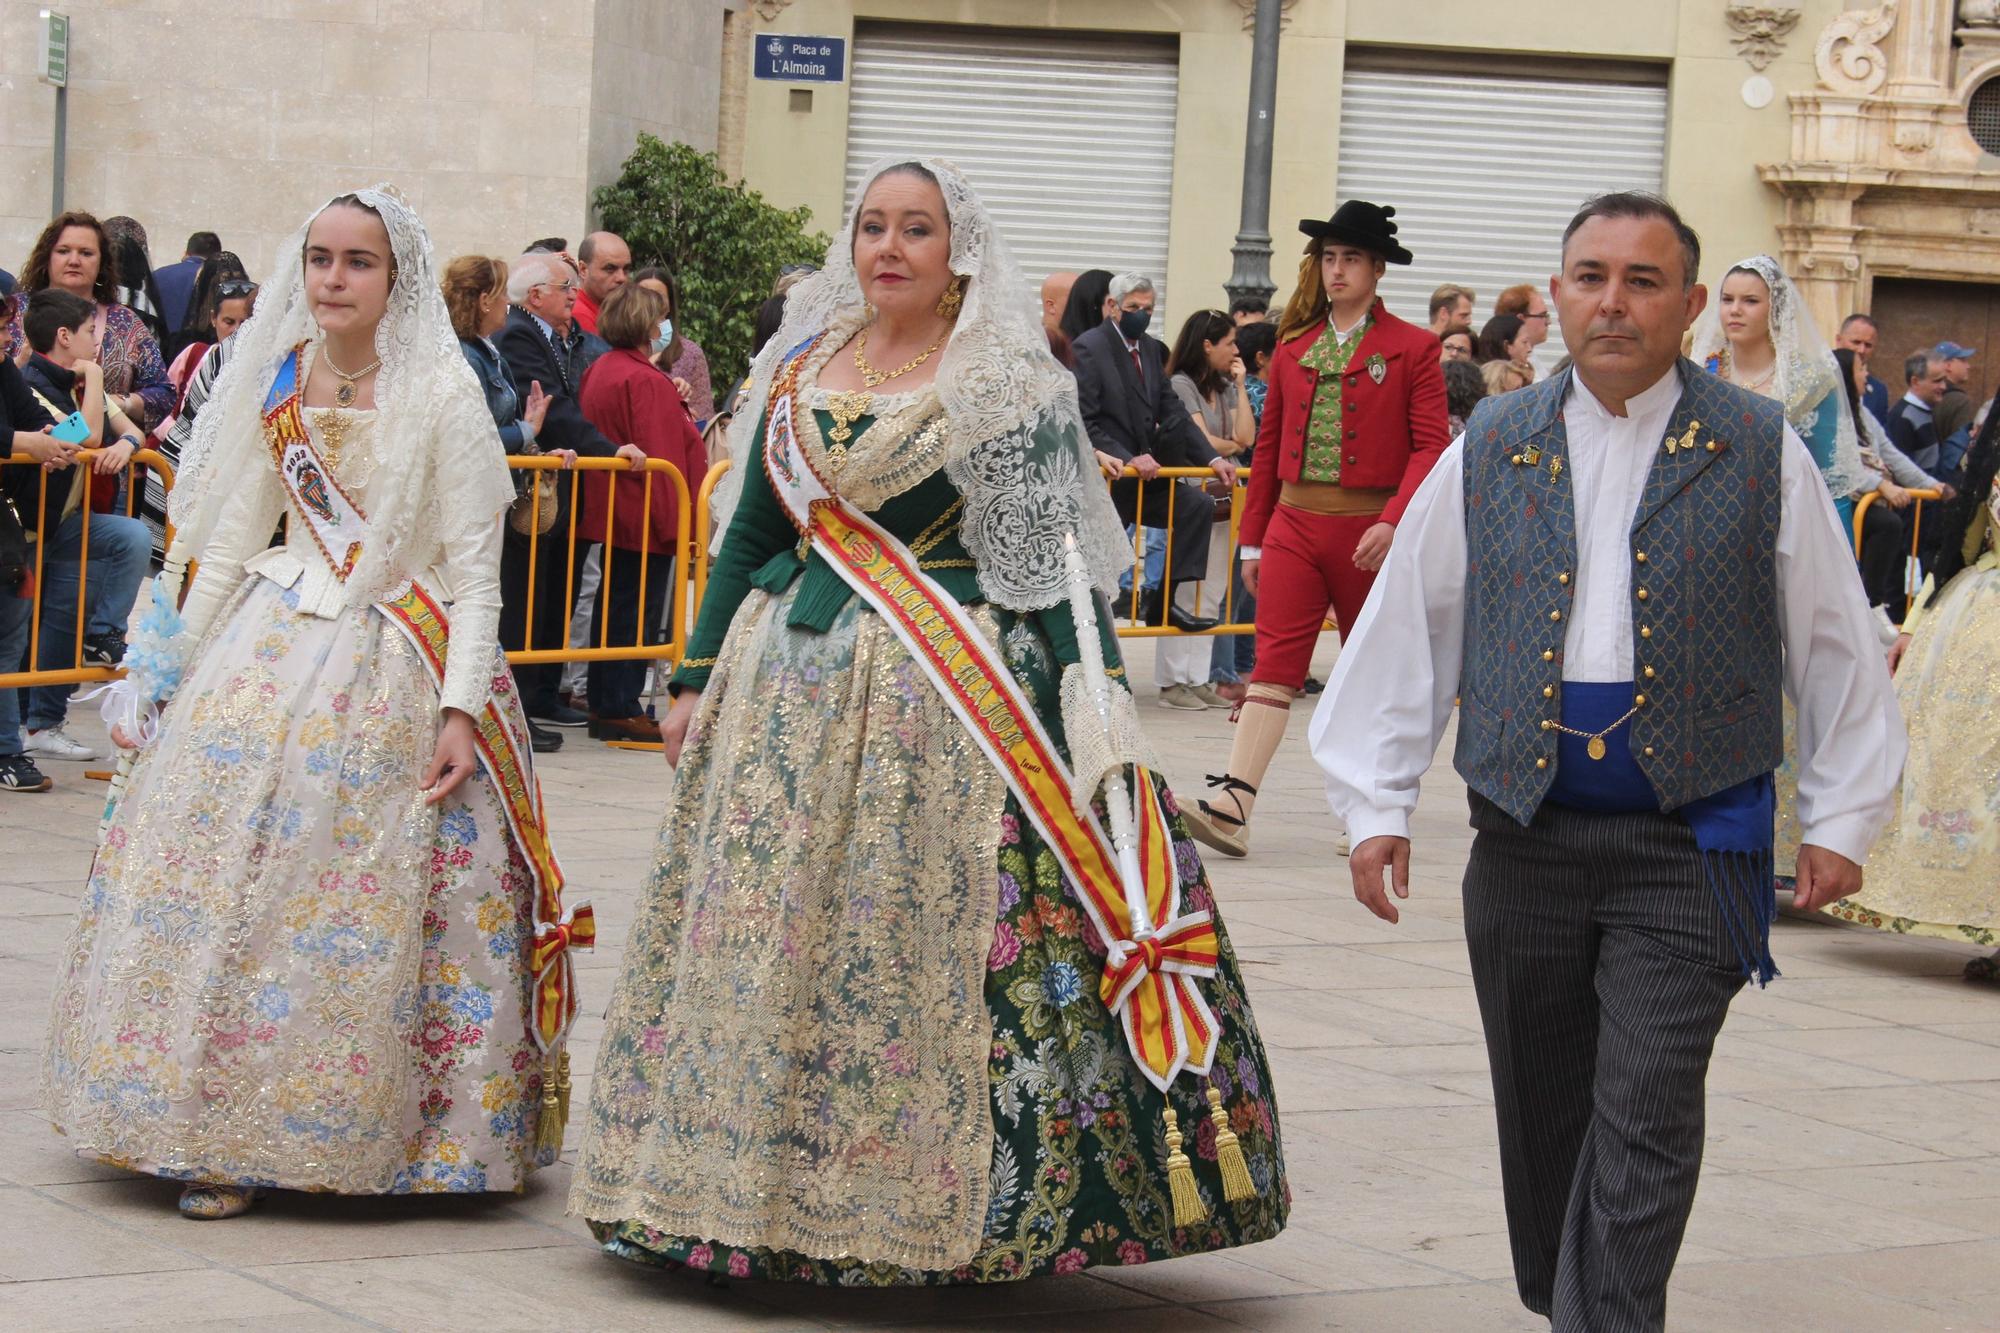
1015 445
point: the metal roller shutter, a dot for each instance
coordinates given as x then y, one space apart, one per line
1485 171
1069 138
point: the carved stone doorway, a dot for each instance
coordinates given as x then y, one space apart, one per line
1915 313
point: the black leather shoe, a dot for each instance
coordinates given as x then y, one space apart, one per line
1188 624
543 741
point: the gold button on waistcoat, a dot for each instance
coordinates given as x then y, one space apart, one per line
1640 701
1555 615
1548 654
1649 673
1548 691
1541 763
1649 752
1563 579
1640 556
1645 631
1643 594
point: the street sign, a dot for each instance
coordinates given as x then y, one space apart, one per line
54 68
802 59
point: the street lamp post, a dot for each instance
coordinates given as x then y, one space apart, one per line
1252 275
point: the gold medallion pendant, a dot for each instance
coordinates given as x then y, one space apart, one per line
1596 747
344 395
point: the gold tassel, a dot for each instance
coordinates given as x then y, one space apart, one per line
1188 1207
555 1103
1236 1183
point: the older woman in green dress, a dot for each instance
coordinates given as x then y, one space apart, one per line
859 1033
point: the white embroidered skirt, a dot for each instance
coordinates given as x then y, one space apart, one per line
288 970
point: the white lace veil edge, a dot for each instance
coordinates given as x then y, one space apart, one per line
440 470
1017 452
1807 378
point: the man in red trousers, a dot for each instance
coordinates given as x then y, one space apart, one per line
1353 422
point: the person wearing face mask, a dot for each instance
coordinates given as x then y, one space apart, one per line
627 397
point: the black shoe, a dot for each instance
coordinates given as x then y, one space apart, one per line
18 773
562 715
1188 624
624 729
104 650
1156 609
543 741
1313 685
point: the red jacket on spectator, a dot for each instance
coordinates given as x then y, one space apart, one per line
585 311
1395 427
629 399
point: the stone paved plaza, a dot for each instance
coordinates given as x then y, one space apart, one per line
1853 1175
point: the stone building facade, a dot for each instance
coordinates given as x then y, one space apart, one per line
497 118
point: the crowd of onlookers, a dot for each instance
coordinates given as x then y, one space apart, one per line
578 354
583 355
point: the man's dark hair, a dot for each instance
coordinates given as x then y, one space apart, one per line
1858 317
1916 365
1640 204
203 245
1249 305
552 245
1255 340
50 311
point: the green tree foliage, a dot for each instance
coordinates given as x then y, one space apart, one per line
723 243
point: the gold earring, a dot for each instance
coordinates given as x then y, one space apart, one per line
953 299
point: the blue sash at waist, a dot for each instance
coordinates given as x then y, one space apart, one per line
1733 828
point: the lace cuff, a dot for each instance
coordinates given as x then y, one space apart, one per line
1100 746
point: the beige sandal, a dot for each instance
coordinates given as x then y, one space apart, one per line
212 1203
1227 833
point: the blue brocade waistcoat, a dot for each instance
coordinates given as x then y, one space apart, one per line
1707 650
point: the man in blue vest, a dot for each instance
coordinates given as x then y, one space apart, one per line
1616 573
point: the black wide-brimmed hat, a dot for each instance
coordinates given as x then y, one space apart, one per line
1363 225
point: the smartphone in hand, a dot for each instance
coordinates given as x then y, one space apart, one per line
72 429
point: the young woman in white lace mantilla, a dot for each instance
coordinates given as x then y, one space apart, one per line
301 960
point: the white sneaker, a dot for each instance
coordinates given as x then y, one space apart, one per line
56 743
1340 846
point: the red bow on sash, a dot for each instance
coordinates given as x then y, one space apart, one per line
1149 983
554 972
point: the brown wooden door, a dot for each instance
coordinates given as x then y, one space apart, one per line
1917 313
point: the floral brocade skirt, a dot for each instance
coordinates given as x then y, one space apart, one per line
287 970
1936 870
857 1037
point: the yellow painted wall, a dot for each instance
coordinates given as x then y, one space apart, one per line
1715 141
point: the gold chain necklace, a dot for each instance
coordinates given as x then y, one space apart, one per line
845 409
345 394
874 378
1595 749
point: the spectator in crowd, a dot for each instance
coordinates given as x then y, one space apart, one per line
175 282
683 360
1502 376
225 267
1525 299
475 294
1235 655
1913 430
24 425
1859 334
540 292
548 245
225 305
73 254
1508 338
606 262
62 371
134 267
1891 476
1208 376
627 397
1955 409
1055 299
1451 307
1134 418
1089 303
12 345
1249 310
1456 343
1464 386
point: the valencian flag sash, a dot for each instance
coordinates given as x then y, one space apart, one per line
338 526
1150 983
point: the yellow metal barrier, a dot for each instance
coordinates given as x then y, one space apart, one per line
1128 609
677 598
1916 525
135 486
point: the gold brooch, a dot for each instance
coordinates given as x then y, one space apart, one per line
1686 441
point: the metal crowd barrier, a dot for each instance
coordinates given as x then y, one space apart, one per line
688 572
1127 607
1916 526
135 479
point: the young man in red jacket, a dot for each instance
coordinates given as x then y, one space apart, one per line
1354 420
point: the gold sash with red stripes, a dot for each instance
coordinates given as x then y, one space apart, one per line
1150 982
